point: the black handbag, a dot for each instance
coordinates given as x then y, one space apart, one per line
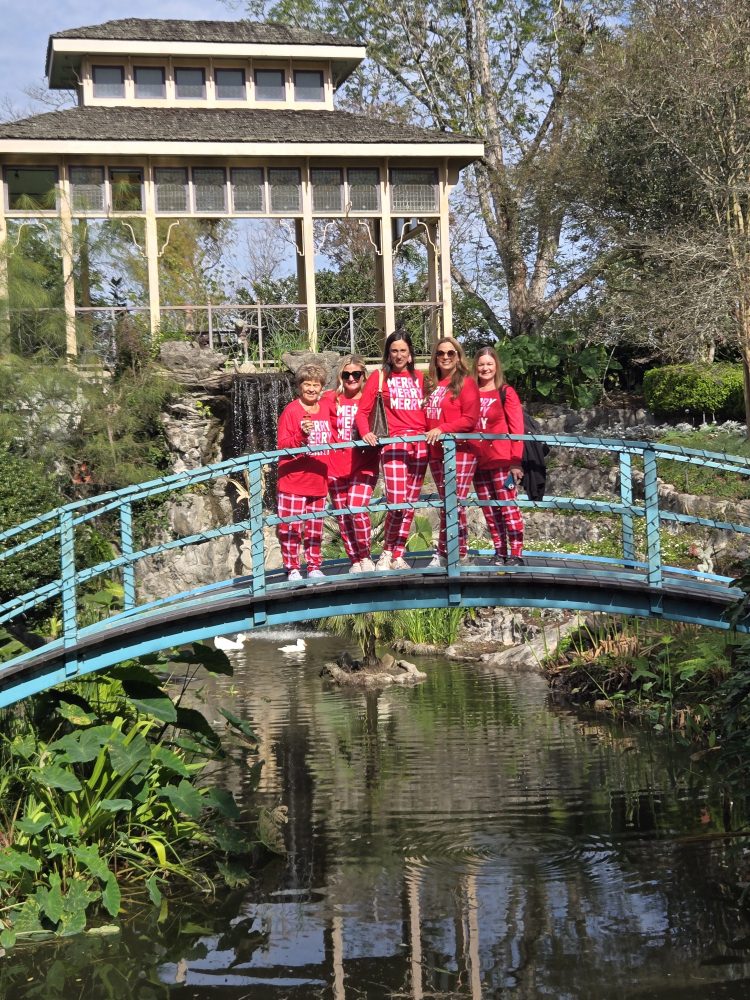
378 416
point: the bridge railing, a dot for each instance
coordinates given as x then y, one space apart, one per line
59 530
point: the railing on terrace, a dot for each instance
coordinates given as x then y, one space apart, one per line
256 333
636 524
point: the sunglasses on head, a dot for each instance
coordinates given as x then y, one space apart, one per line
352 376
446 354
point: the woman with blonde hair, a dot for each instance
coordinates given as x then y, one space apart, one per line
499 467
352 472
451 408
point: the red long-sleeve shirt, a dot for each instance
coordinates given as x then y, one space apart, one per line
496 419
403 396
304 475
457 415
347 462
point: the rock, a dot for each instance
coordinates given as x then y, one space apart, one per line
387 672
329 359
188 363
603 705
387 662
529 657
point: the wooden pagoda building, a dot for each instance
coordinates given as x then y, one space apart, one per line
226 119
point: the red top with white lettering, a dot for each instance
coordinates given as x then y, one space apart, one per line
403 395
457 415
350 461
304 475
494 419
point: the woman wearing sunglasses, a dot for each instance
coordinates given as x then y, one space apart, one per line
451 408
351 472
404 463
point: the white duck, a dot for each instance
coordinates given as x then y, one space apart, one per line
227 644
299 647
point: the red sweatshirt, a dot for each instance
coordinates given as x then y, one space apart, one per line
495 420
360 461
304 475
453 416
403 395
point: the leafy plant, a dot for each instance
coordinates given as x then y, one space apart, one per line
104 784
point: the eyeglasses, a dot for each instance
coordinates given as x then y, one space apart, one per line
352 376
446 354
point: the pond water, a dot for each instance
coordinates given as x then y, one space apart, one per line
463 838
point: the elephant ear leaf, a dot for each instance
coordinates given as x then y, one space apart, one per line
185 798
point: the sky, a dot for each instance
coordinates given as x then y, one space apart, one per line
27 26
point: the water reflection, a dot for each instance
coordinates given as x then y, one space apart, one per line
464 838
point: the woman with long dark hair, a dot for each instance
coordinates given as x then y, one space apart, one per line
404 463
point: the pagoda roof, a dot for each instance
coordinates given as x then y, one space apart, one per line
152 29
217 131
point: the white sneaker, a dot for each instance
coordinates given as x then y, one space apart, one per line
437 562
316 574
355 567
386 558
294 575
400 563
367 566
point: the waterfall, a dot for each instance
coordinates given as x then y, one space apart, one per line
257 401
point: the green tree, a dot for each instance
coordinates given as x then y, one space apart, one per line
672 137
505 71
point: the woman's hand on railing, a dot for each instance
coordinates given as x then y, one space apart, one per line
433 436
370 438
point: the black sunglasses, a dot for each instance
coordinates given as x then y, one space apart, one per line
446 354
352 376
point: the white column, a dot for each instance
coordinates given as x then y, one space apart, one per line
433 291
152 248
307 265
386 251
67 255
4 285
445 252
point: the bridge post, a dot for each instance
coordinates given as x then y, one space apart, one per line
450 503
653 527
626 499
68 581
257 546
126 547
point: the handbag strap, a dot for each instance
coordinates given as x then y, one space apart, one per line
380 382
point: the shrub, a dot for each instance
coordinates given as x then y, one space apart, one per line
695 392
26 490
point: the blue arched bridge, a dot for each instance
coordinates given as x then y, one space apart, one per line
636 580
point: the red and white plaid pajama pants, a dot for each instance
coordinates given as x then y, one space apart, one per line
290 535
466 463
404 466
505 523
356 529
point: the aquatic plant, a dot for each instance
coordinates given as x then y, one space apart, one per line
104 788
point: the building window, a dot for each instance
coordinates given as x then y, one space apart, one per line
127 190
284 185
327 189
210 189
109 81
230 84
149 82
269 85
413 190
87 189
171 189
31 189
364 189
189 84
308 85
248 191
